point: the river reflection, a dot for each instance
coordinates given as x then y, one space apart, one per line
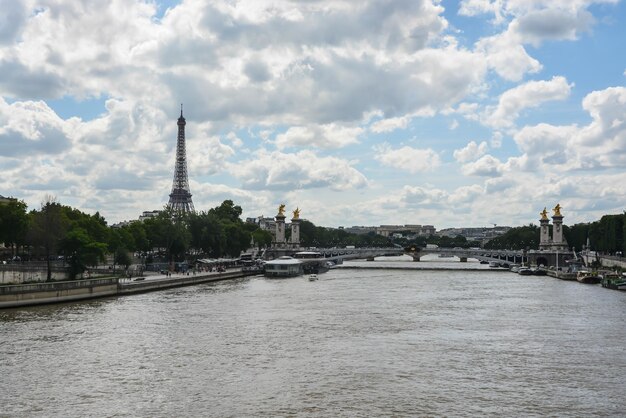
354 343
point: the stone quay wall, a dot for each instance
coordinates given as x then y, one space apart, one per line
54 292
19 273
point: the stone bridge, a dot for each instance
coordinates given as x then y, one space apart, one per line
338 254
498 256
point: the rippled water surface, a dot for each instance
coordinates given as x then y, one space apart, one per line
354 343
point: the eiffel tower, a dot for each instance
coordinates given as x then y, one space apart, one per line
180 198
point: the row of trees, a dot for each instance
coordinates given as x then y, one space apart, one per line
56 231
319 236
606 235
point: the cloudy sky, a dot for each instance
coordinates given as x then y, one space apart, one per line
369 112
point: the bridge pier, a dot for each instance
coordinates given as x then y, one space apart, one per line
416 258
463 259
370 258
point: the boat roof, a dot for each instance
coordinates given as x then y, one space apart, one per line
284 260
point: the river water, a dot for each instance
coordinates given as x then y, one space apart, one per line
354 343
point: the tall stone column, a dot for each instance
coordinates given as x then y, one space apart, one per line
557 228
280 228
544 234
295 229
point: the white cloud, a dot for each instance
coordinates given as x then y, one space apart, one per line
409 159
389 125
472 151
28 128
496 140
599 145
527 95
546 143
207 156
552 24
421 197
320 136
507 56
301 170
486 166
530 22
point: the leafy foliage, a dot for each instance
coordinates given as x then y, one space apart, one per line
606 235
14 224
520 238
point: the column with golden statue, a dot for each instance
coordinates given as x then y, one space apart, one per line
544 234
558 241
279 241
295 229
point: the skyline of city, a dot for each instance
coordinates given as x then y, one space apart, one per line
453 114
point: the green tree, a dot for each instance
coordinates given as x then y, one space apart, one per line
120 240
169 232
262 238
237 239
82 250
14 224
48 227
140 237
227 211
518 238
207 233
121 257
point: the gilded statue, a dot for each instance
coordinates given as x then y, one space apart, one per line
557 210
281 209
296 213
544 214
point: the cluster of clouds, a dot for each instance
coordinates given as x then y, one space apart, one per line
312 102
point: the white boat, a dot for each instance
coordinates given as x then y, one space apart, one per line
313 277
283 267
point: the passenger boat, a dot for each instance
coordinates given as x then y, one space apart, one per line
524 271
283 267
587 277
312 262
313 277
613 281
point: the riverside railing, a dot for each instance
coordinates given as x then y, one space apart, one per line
53 286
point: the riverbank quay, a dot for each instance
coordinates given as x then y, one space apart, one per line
416 268
153 283
21 295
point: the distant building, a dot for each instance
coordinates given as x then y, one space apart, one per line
149 214
482 234
361 230
266 224
405 230
5 199
122 224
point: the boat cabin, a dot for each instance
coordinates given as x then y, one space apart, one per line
283 267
